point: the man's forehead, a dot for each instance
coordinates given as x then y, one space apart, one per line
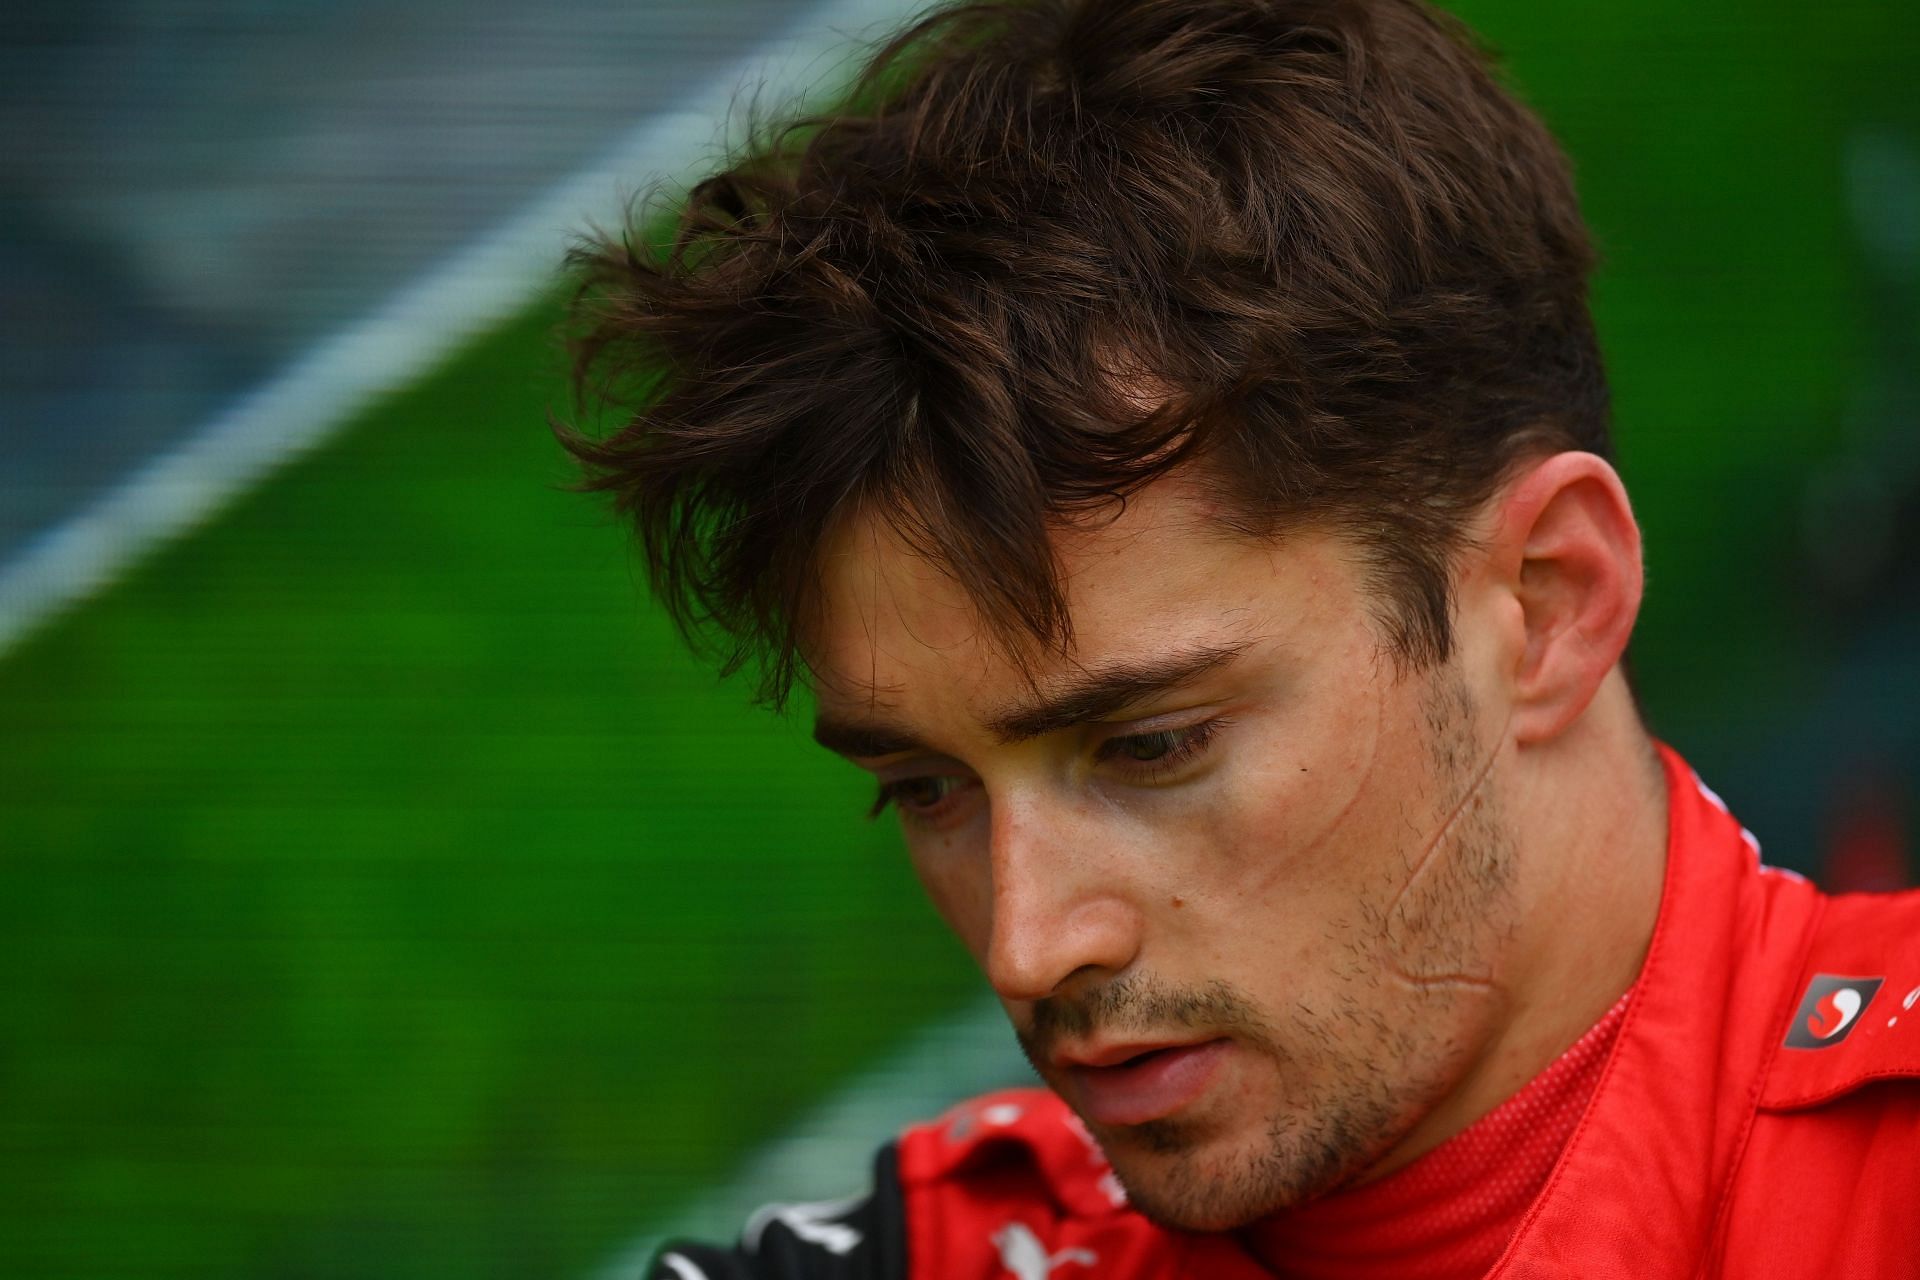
1157 536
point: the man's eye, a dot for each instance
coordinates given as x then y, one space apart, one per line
916 797
1148 746
1161 750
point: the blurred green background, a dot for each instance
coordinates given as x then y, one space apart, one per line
383 892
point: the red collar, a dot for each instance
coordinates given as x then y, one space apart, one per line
1650 1163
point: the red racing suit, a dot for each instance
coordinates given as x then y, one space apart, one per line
1759 1116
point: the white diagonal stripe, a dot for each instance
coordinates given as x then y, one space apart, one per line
466 294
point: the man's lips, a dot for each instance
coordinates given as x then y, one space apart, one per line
1132 1084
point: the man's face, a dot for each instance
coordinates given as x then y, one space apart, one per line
1240 882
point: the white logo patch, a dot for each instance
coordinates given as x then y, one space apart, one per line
1025 1258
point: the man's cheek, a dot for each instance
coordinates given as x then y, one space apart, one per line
1308 813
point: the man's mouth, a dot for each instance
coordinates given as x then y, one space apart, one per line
1132 1084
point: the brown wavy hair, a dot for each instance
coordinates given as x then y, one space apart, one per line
1049 250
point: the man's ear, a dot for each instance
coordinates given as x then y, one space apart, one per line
1565 543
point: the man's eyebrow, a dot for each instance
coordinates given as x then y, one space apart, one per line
1100 693
1094 694
861 740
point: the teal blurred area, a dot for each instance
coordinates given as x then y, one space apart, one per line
194 192
384 893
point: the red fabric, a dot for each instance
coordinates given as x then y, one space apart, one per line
1746 1124
1449 1214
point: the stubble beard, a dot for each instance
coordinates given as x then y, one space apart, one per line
1375 1076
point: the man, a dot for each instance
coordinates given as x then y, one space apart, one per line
1168 440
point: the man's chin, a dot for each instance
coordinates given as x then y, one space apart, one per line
1179 1176
1190 1201
1195 1177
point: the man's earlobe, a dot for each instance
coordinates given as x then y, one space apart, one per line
1570 550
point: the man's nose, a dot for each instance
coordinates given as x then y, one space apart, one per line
1060 910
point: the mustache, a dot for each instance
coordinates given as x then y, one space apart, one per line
1139 1006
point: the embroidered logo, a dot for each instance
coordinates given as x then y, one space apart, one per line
1025 1258
1829 1011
